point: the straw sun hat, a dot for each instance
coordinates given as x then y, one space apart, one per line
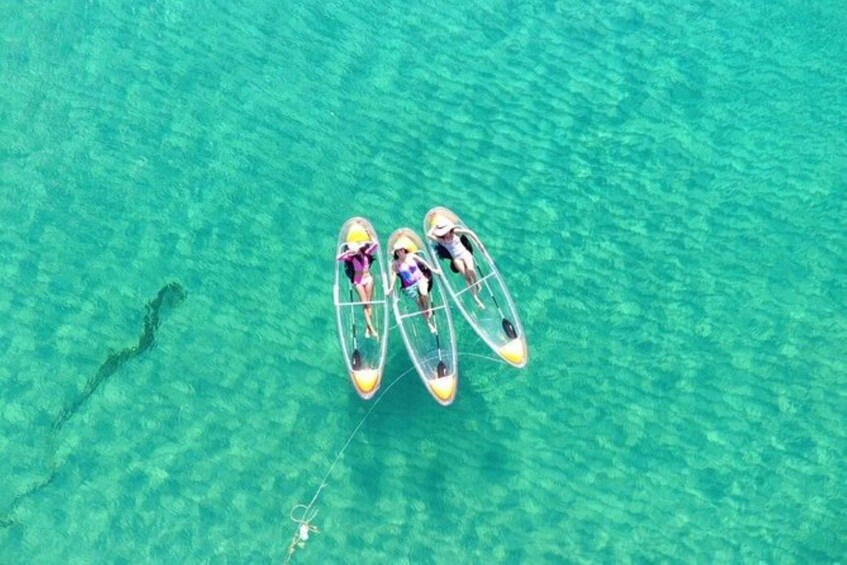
442 227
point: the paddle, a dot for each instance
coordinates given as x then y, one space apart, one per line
357 357
441 368
428 274
508 327
442 253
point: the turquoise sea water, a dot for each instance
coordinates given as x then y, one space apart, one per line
664 187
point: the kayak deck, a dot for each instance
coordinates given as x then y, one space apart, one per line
433 354
364 356
497 323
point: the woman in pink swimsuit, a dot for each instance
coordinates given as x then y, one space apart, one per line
360 257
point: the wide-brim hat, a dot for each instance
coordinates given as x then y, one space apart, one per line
355 246
399 245
442 227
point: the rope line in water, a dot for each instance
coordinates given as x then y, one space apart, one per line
304 523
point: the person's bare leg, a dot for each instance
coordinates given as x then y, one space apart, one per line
426 304
362 290
460 267
471 268
369 291
467 270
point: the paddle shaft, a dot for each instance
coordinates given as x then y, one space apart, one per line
353 323
508 327
481 274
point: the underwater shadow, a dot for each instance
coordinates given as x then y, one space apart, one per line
168 297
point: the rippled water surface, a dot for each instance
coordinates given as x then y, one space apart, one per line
663 186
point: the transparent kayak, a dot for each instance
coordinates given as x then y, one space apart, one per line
497 322
364 356
433 353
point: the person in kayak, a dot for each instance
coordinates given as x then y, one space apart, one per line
448 235
406 267
359 256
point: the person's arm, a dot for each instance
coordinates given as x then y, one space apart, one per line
372 247
344 255
431 235
392 278
469 233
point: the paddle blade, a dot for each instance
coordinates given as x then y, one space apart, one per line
442 369
428 275
509 329
357 360
467 243
443 254
441 251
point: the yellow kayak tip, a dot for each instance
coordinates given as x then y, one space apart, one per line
358 234
366 381
514 352
444 388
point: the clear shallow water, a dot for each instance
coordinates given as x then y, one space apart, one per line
664 189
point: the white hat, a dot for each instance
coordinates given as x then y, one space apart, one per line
355 246
442 227
399 245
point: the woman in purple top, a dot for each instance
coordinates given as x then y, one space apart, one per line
406 267
359 256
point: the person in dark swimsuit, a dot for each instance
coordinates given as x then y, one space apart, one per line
360 256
